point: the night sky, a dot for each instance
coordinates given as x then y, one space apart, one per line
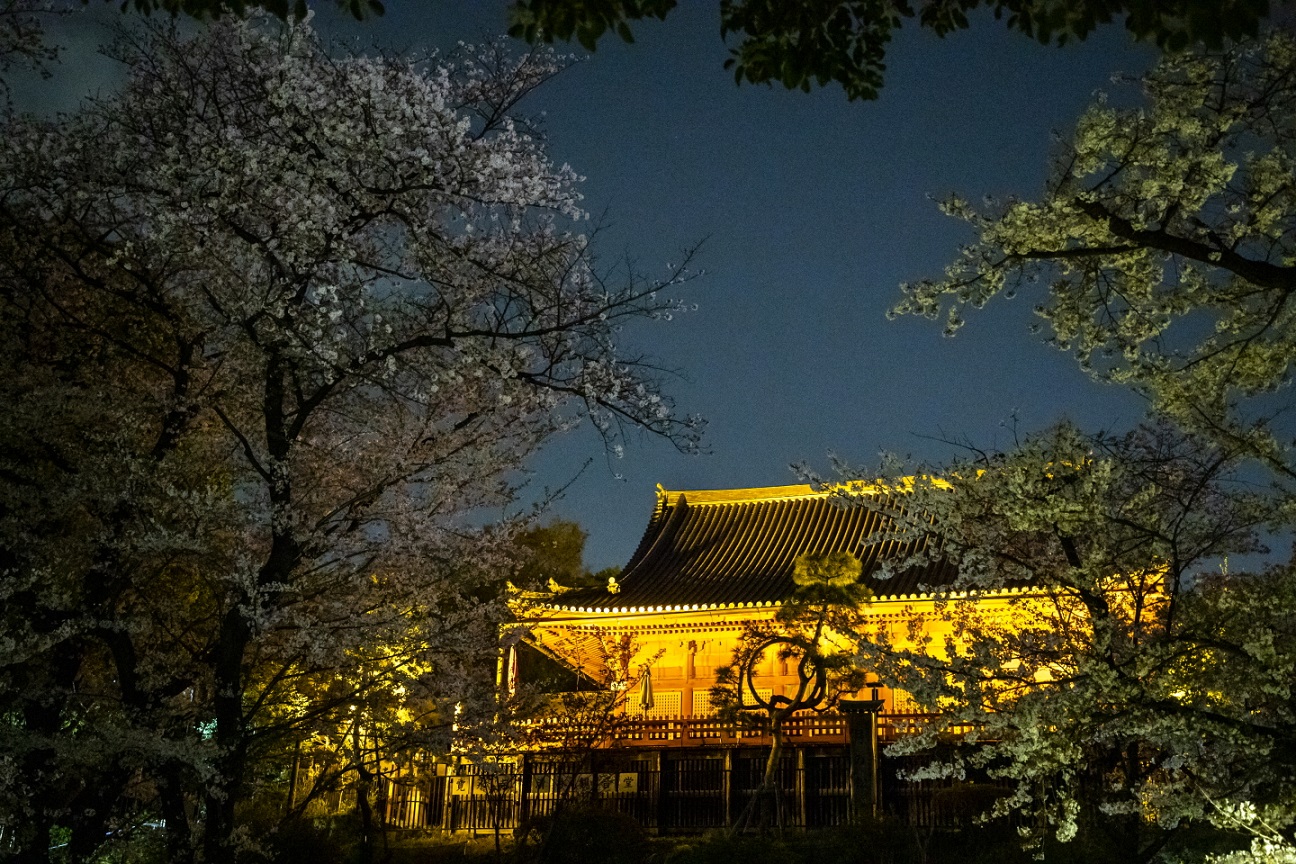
813 210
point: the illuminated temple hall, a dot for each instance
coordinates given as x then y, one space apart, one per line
710 563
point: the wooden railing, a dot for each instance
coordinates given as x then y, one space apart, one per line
894 726
710 731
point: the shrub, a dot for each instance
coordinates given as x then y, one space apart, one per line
322 841
583 835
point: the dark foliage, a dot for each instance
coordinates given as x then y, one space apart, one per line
582 835
359 9
877 842
844 41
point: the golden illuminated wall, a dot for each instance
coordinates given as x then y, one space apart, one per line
685 647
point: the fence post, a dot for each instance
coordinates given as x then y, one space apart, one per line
727 786
861 716
659 794
447 799
524 794
801 787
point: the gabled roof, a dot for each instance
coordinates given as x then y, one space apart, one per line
714 548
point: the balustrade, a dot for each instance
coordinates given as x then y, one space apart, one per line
803 728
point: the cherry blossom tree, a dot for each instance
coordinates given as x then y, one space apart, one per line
1165 240
21 34
1117 676
282 323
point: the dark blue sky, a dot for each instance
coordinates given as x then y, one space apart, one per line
814 210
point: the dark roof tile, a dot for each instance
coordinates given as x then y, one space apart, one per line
716 547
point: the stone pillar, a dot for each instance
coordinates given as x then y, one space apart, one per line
861 719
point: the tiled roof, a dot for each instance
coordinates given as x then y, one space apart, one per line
718 547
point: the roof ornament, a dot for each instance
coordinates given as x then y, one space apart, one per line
662 494
614 587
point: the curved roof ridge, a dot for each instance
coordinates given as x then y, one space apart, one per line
652 532
709 548
751 495
741 496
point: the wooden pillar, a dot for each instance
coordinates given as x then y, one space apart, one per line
387 796
861 717
524 794
727 786
447 800
658 795
801 787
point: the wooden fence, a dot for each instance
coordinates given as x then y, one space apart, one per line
665 791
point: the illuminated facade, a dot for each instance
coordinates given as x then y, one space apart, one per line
711 563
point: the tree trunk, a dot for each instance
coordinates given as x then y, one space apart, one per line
92 812
225 787
33 840
292 780
45 717
756 812
771 791
364 782
179 831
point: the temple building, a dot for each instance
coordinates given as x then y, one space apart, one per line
710 564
